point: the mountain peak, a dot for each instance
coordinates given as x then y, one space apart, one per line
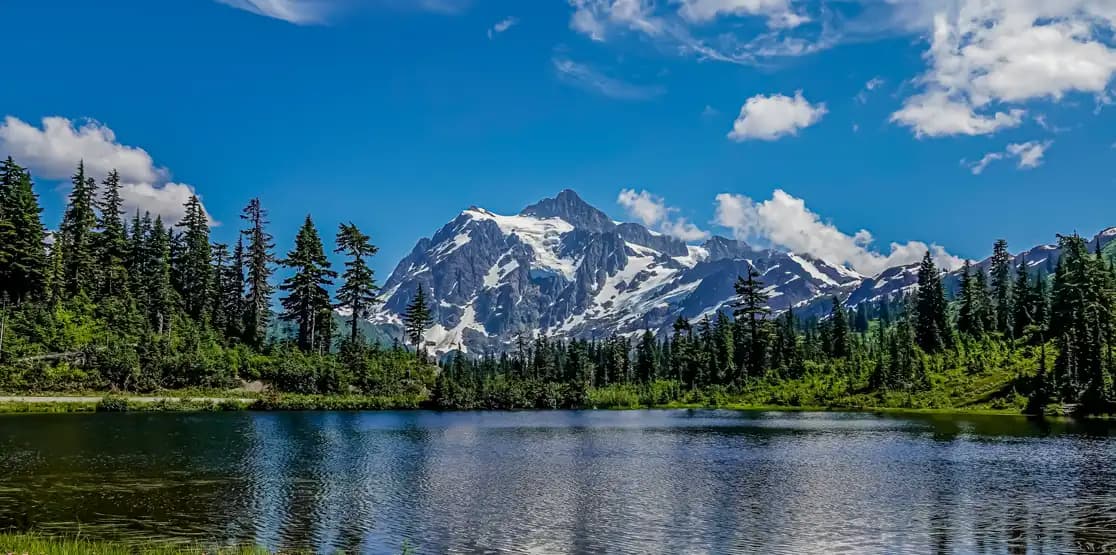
569 206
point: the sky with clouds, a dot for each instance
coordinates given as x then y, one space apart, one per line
865 132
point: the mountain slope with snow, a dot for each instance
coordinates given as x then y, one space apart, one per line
561 267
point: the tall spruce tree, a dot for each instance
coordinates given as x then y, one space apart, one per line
258 268
416 319
112 242
751 308
307 303
23 260
839 330
161 296
931 327
76 235
1001 287
195 260
232 293
970 319
357 293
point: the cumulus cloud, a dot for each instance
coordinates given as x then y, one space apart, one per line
589 78
784 221
772 117
1028 155
987 57
501 26
652 211
778 12
54 150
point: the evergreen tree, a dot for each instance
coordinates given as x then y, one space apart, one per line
258 267
112 242
860 323
307 302
1023 312
970 319
76 235
23 260
751 308
196 257
161 296
416 319
839 330
358 292
647 358
232 293
931 327
1001 287
219 313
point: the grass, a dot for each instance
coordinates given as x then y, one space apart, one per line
36 544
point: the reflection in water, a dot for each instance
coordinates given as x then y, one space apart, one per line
554 482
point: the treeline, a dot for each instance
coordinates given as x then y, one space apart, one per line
137 304
1004 318
142 304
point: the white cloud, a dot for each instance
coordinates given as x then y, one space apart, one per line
589 78
987 55
652 211
872 84
686 30
785 222
501 26
1028 155
772 117
778 12
54 150
299 12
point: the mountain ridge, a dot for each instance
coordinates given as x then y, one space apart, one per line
562 267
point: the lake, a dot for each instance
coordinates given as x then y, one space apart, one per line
567 482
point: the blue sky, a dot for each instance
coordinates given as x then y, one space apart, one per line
786 122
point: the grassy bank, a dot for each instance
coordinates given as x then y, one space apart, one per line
35 544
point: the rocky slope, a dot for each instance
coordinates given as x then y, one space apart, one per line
563 268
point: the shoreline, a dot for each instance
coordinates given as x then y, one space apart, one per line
86 403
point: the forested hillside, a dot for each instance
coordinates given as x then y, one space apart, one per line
132 303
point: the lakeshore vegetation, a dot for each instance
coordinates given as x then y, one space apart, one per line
129 303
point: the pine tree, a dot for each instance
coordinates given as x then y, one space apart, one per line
970 320
219 313
1001 287
751 308
839 330
416 319
232 293
161 295
931 328
139 260
258 266
1023 308
646 357
861 323
23 260
112 242
307 302
76 235
195 259
358 292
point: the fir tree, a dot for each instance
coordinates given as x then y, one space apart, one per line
307 302
751 308
931 327
196 255
647 360
416 319
1001 287
860 323
23 260
839 330
258 267
112 242
76 235
970 320
358 291
161 296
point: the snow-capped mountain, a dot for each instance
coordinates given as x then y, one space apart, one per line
563 268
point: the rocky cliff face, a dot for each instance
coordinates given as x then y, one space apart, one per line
563 268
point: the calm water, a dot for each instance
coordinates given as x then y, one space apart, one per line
567 482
